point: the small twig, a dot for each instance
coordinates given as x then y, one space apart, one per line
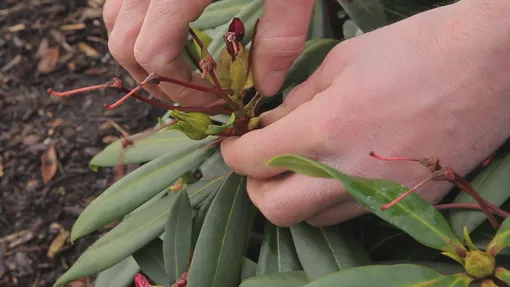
405 194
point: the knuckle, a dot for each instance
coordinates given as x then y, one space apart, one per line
117 50
277 214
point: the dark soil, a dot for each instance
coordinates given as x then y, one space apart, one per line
33 213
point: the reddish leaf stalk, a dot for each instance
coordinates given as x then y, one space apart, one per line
448 174
466 187
405 194
224 96
473 206
76 91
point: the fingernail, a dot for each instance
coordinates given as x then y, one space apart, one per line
273 81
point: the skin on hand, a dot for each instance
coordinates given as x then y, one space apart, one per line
148 36
435 84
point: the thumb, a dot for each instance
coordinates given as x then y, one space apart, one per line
280 39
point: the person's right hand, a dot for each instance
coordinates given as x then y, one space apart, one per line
148 36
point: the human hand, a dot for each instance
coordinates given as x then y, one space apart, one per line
433 84
149 35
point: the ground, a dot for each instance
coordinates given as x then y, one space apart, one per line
63 45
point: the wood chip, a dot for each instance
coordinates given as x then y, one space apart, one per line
61 39
57 243
16 8
88 50
1 168
49 61
12 63
73 27
17 28
49 164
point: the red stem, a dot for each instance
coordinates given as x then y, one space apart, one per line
468 206
374 155
188 85
77 91
466 187
224 96
405 194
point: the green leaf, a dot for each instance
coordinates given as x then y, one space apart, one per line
492 184
367 14
502 274
390 276
324 250
440 267
249 15
136 188
145 149
283 279
218 256
150 259
177 238
413 214
277 253
249 269
314 53
199 219
119 275
218 13
214 172
501 240
126 238
350 30
320 23
214 129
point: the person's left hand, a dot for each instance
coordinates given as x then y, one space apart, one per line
421 87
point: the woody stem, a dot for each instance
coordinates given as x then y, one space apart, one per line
466 187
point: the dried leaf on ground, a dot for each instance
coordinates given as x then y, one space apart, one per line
57 243
49 60
49 164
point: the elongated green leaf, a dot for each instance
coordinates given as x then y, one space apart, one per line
350 30
412 214
249 15
283 279
323 251
120 275
150 259
126 238
367 14
218 255
214 172
145 149
439 267
501 240
177 238
249 269
314 53
136 188
492 184
199 219
502 274
390 276
277 253
320 26
214 16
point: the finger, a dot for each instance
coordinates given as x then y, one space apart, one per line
160 44
288 200
298 133
280 39
111 10
122 41
337 213
319 81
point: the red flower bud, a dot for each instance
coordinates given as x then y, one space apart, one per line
234 37
237 27
141 281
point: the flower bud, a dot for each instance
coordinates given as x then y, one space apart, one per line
194 125
141 281
479 264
